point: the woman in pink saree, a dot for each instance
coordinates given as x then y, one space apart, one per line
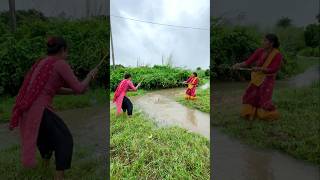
257 100
33 114
192 83
120 98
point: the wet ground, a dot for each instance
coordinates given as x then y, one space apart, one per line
87 125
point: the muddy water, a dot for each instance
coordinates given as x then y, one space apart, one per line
306 78
87 125
236 161
160 106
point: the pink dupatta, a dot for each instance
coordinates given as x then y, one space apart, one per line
28 93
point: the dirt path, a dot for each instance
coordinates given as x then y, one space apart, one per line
87 125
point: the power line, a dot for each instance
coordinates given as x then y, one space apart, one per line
170 25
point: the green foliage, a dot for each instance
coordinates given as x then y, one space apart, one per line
86 40
310 52
312 35
232 44
284 22
85 164
229 45
156 77
291 39
202 102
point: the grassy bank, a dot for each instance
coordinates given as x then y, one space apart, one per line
141 150
92 97
202 102
140 92
296 133
84 164
305 62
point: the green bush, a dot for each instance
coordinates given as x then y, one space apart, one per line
156 77
232 44
312 35
229 45
310 52
87 40
291 39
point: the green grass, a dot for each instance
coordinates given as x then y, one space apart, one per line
202 102
305 62
140 92
84 164
61 102
297 131
141 150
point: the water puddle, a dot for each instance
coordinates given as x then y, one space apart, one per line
236 161
87 125
167 112
205 86
306 78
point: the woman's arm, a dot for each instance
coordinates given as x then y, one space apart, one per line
254 57
132 87
71 80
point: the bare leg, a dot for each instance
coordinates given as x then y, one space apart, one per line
59 175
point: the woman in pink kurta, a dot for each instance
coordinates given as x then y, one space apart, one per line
120 98
39 126
266 61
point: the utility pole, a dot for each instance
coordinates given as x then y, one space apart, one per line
12 10
113 60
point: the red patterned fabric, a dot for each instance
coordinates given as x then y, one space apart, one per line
30 90
261 97
194 82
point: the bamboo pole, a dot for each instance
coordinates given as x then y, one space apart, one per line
12 10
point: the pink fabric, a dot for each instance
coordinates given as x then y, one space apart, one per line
261 97
192 91
29 91
121 91
61 76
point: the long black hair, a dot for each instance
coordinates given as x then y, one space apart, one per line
195 74
55 45
273 39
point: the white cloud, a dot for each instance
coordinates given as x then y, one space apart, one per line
132 39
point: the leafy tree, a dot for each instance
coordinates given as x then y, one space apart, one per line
284 22
312 35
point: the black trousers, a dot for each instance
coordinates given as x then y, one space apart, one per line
54 136
127 106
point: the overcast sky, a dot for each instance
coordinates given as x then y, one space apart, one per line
267 12
148 42
65 8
